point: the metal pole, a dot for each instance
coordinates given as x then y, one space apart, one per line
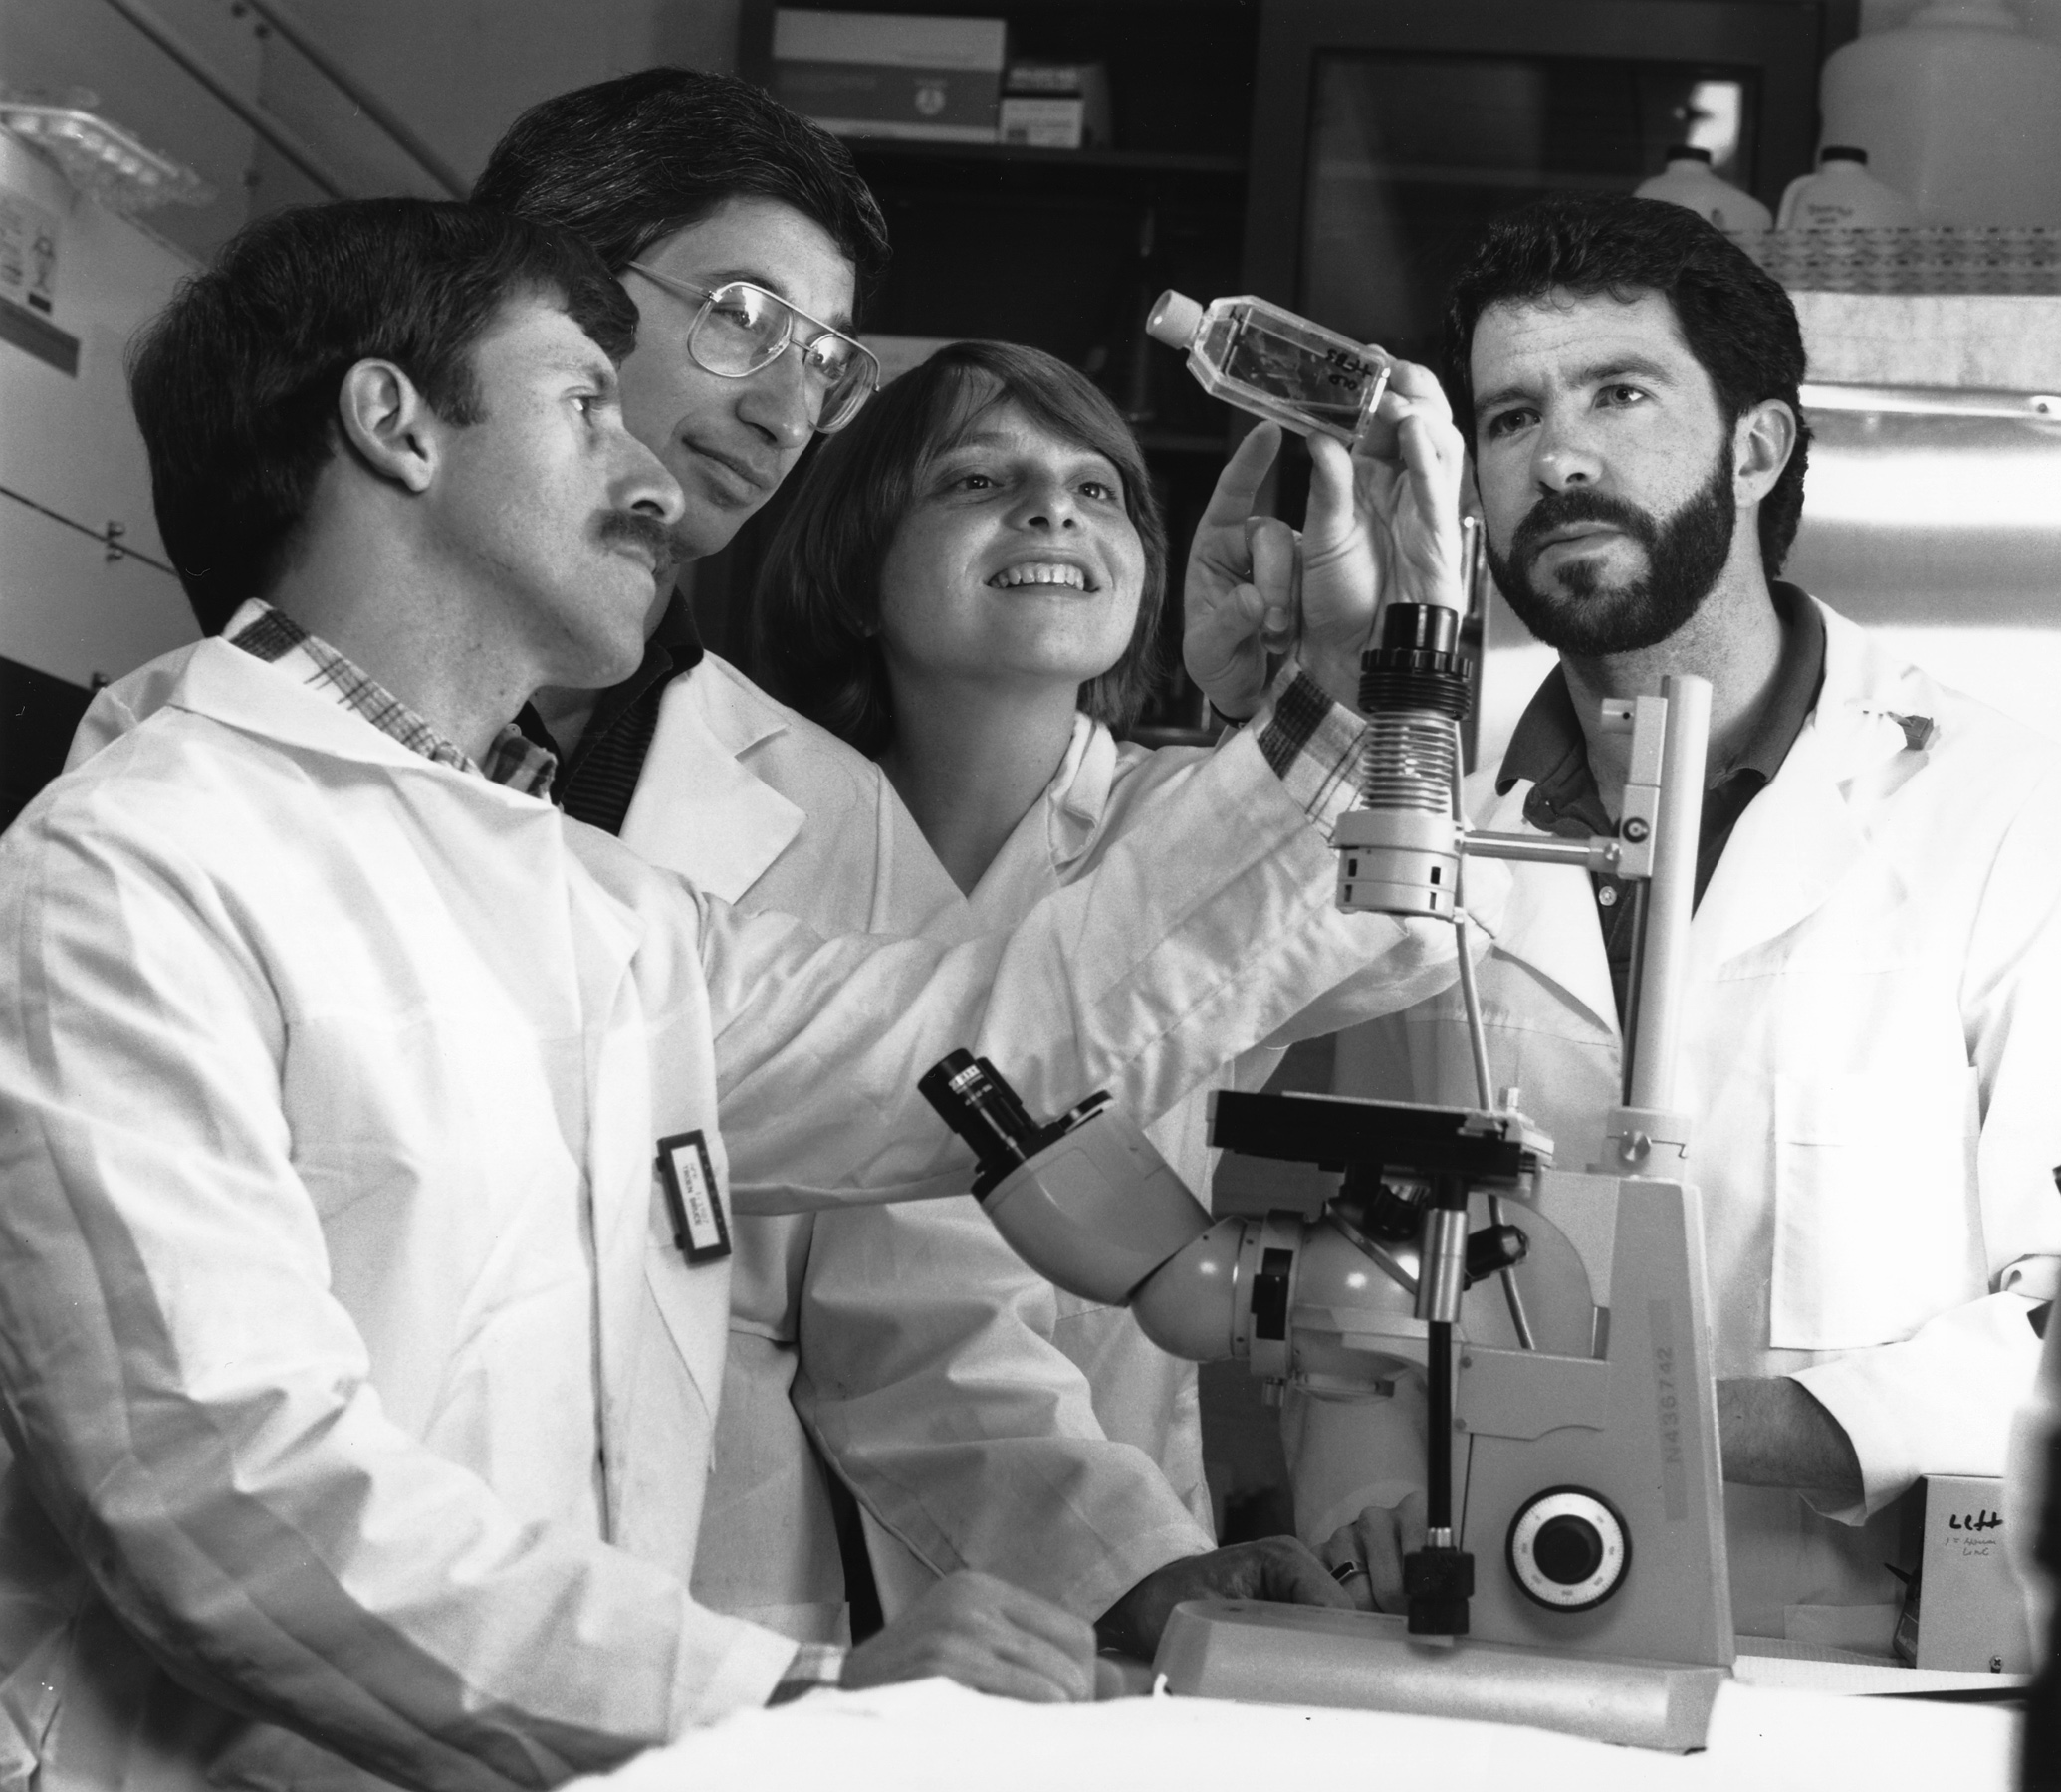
1664 968
1636 893
1471 998
203 71
427 158
1538 849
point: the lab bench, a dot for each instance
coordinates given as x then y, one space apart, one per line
935 1736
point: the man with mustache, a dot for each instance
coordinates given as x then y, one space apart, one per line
1873 1037
911 1351
369 1130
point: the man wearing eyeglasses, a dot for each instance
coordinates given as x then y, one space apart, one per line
742 234
734 227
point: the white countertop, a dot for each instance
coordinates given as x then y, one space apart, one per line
935 1736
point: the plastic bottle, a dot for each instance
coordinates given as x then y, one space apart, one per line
1959 109
1268 361
1689 182
1842 195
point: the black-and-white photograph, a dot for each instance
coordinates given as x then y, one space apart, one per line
1125 894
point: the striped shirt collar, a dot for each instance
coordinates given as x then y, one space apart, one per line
275 637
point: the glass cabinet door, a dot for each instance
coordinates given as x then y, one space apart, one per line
1410 154
1387 133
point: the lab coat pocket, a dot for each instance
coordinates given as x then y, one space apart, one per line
1874 1206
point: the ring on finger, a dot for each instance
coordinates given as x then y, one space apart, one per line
1345 1571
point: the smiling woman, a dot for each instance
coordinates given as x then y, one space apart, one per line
985 449
968 589
972 578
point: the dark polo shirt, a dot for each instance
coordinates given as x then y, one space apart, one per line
596 779
1549 749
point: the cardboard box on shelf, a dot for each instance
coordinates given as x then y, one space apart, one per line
893 75
1969 1607
1056 106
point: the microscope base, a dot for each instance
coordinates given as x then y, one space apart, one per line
1263 1654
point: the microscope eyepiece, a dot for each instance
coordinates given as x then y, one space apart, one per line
975 1102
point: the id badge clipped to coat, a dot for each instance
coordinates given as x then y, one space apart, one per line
699 1228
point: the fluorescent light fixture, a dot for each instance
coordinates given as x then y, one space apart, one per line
1927 488
100 157
1932 401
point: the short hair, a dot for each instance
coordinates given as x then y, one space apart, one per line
628 162
235 383
1736 320
817 615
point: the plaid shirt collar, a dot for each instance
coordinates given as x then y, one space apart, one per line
270 636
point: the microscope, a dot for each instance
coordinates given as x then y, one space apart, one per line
1573 1575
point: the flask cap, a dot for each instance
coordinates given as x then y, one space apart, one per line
1173 320
1689 152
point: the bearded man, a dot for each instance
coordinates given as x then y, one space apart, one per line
1873 1035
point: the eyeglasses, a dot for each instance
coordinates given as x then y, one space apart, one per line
741 329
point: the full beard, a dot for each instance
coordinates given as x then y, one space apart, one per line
1591 619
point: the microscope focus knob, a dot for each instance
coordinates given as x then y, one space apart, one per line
1568 1549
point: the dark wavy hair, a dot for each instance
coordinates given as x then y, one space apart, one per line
816 614
235 383
1736 320
626 162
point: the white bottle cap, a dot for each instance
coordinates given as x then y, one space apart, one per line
1175 320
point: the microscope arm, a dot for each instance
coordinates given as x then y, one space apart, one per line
1100 1214
1090 1204
1188 1306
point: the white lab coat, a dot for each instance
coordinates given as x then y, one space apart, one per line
926 1370
355 1396
1872 1062
983 1418
757 806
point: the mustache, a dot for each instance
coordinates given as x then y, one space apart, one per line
1580 503
643 530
